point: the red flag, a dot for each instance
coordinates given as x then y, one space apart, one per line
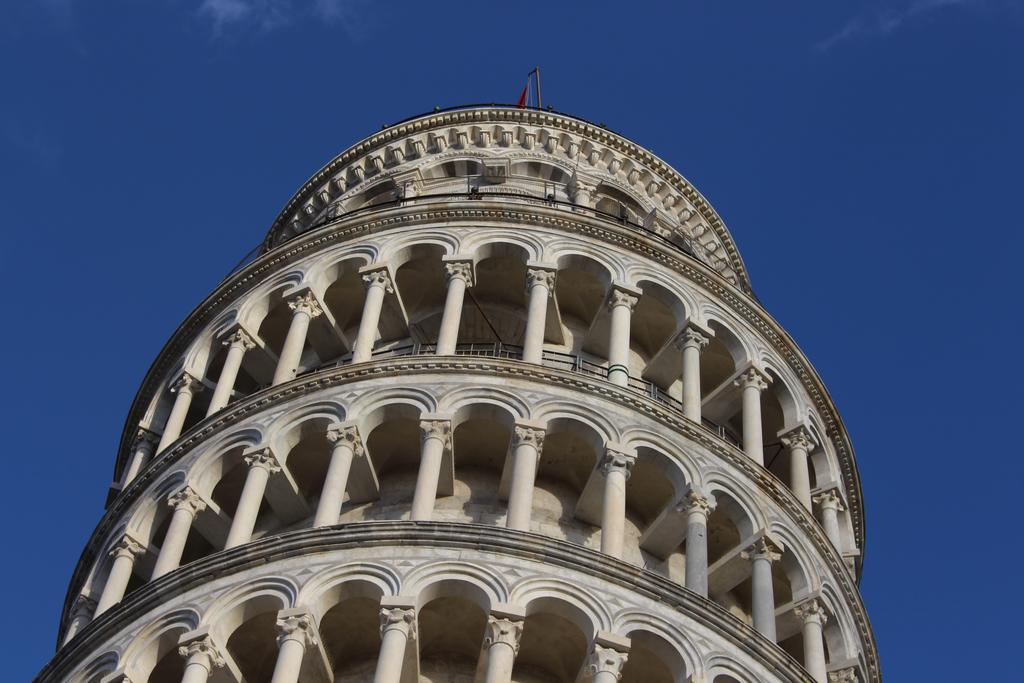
521 104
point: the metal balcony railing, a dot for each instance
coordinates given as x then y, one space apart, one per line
551 359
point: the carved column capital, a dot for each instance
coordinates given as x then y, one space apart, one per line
537 275
127 547
83 606
843 676
617 461
504 631
202 651
525 434
263 457
811 610
398 618
460 269
306 303
622 297
691 337
830 500
379 277
145 440
186 499
754 378
298 627
345 434
798 438
435 429
240 338
695 500
763 548
187 383
606 660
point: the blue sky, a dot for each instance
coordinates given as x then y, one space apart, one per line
866 156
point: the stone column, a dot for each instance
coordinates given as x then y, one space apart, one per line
540 286
397 626
813 617
800 444
831 505
459 273
262 463
201 657
81 614
604 664
304 307
238 342
616 466
378 283
752 382
295 631
690 342
142 453
346 445
435 436
185 388
761 555
698 506
124 554
502 645
620 302
185 503
527 442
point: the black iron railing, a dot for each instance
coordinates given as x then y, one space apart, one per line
550 359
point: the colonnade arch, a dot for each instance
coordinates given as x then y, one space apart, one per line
576 324
457 615
575 451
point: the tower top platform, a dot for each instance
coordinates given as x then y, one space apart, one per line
525 153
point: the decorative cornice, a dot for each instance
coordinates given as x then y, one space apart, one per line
472 213
381 141
401 366
406 534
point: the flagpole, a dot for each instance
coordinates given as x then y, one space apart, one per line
540 104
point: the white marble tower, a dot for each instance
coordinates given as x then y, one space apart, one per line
495 402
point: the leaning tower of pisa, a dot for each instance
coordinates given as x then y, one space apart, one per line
494 402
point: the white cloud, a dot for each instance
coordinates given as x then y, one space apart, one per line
224 12
885 22
267 15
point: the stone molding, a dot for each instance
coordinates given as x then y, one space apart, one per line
498 540
446 121
540 216
398 366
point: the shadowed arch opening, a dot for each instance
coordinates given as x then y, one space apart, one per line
555 640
